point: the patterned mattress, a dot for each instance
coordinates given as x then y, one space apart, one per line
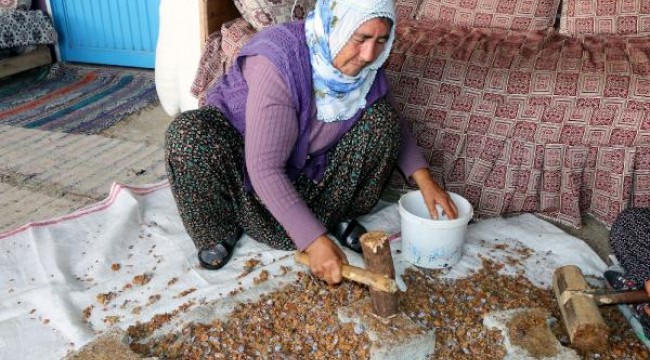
23 28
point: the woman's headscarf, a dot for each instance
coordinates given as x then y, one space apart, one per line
328 28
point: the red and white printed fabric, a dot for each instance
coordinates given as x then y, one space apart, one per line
529 121
495 14
622 17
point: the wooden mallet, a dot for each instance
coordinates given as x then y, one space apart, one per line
579 307
359 275
379 274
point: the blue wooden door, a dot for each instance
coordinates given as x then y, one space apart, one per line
112 32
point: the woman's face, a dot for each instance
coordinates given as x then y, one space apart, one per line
365 45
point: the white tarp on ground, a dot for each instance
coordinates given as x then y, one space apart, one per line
51 271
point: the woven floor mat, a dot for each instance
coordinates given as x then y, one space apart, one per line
67 169
75 99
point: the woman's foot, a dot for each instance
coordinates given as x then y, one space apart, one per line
214 257
348 233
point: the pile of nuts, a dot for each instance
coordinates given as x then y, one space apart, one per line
300 321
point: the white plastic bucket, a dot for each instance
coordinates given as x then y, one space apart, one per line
430 243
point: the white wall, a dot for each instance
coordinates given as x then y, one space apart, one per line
177 54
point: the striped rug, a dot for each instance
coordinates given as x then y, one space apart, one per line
75 99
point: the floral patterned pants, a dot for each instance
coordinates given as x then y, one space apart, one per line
205 162
630 241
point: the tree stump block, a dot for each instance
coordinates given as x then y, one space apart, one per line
378 259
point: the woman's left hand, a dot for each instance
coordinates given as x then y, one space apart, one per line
433 194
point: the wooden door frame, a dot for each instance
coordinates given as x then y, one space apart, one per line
48 9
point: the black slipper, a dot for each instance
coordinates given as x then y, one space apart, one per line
214 257
348 233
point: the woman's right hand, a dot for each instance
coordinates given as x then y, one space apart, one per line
325 259
434 195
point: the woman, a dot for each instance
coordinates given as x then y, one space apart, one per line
297 139
630 241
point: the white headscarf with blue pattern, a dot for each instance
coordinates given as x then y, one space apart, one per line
328 28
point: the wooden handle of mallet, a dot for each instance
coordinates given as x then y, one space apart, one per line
622 297
359 275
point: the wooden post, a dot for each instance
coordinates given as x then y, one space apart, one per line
377 258
212 14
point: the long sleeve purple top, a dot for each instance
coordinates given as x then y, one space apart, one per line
272 131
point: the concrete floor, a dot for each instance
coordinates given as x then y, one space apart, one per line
594 233
148 125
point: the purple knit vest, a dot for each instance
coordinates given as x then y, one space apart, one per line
286 47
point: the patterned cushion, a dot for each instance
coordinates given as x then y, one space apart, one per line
218 54
23 28
532 122
210 67
625 17
262 13
235 35
406 9
501 14
15 5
